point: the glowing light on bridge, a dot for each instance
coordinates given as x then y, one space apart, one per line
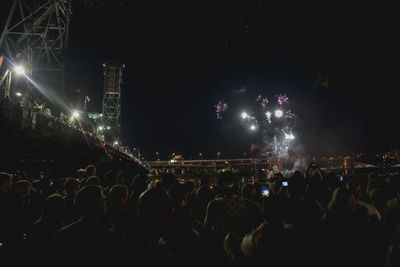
75 114
20 70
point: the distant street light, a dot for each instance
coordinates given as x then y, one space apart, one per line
18 94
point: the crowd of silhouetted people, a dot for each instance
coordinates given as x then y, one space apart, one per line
309 218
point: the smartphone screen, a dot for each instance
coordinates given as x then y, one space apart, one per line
265 190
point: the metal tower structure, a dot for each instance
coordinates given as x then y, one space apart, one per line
111 108
35 35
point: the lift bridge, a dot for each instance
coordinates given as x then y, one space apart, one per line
35 35
254 165
218 165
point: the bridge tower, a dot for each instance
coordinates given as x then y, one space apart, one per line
111 108
35 36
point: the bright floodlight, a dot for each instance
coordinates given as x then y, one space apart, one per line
116 143
253 127
19 70
244 115
18 94
100 128
278 113
75 114
108 127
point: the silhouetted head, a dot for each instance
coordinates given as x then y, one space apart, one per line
205 180
5 182
23 187
72 186
53 208
110 178
248 191
90 202
227 183
178 195
140 183
118 195
189 186
297 185
167 181
93 180
91 170
154 208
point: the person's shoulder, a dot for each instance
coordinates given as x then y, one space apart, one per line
218 199
216 202
392 203
37 224
37 228
68 230
365 205
252 202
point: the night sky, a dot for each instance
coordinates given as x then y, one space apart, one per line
182 57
